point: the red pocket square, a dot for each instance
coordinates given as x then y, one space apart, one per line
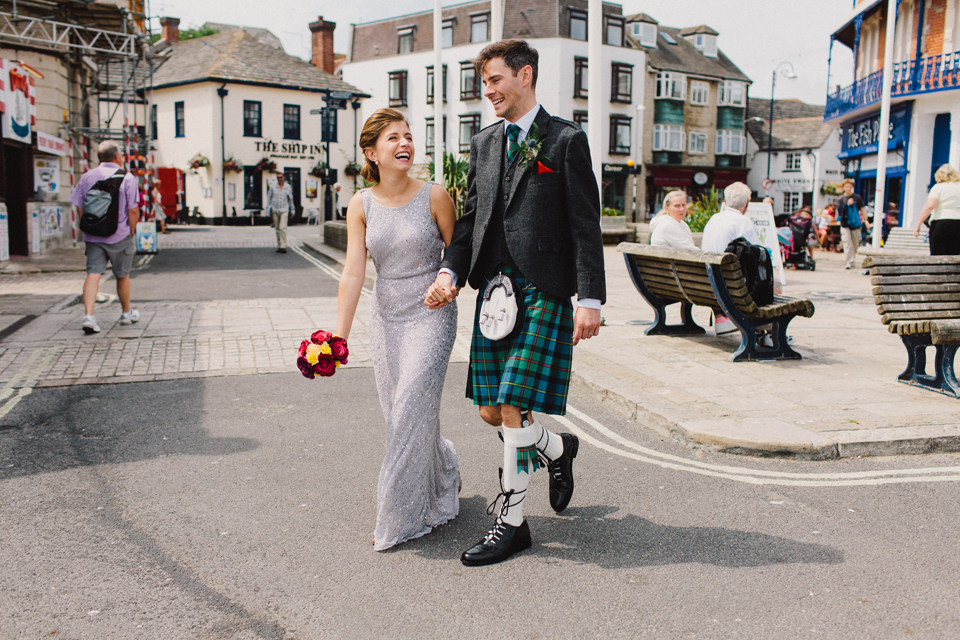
542 168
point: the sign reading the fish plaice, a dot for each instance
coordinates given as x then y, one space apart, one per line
18 102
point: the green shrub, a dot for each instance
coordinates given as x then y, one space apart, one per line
702 209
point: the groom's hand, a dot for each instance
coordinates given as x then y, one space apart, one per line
441 292
586 324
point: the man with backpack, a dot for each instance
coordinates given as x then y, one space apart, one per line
107 197
850 215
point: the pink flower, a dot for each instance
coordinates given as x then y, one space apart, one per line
326 366
305 368
302 351
338 348
320 336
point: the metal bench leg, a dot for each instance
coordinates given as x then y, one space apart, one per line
748 344
916 358
944 378
660 326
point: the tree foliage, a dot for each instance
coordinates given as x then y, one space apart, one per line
703 208
454 178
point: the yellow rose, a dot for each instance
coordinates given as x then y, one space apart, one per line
325 348
337 363
313 353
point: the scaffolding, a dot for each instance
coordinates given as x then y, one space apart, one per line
112 43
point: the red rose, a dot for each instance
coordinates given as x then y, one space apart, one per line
302 351
305 368
338 348
326 366
320 336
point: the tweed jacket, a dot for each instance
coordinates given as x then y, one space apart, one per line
551 218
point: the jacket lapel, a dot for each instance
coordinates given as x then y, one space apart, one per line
488 174
543 122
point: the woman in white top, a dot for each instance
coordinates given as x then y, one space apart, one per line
944 203
668 228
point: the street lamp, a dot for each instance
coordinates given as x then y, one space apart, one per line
223 92
789 75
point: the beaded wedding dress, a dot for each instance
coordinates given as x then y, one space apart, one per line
411 346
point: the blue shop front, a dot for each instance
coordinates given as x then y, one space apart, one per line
859 141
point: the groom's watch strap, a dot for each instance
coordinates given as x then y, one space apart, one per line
453 275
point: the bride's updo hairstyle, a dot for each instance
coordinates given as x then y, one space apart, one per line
372 129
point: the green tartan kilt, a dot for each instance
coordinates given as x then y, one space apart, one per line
532 369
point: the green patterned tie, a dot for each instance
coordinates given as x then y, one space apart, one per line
513 147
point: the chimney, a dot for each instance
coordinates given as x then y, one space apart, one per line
171 30
322 44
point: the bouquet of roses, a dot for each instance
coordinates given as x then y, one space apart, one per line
322 354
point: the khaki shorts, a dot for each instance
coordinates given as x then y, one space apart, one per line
120 254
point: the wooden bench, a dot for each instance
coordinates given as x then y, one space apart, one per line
900 242
918 298
665 276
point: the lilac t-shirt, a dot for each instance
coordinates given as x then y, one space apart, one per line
128 199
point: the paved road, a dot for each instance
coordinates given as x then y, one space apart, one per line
242 507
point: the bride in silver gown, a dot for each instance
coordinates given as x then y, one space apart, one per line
405 224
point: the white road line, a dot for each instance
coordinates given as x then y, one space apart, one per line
753 476
330 271
33 376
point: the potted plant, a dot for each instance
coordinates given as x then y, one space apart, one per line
319 170
352 170
232 165
612 219
266 164
199 161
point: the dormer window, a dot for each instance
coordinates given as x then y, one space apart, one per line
644 33
705 44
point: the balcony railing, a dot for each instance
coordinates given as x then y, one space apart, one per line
912 77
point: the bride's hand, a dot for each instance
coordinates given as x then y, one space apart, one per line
441 292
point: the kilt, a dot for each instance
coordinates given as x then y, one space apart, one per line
531 370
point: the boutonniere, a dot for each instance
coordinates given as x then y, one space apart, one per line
530 151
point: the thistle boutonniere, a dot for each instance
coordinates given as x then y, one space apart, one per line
530 151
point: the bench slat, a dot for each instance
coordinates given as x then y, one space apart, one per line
919 308
916 315
884 261
945 332
667 253
918 299
915 279
903 270
896 289
910 328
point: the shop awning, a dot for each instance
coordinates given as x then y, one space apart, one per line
673 177
723 178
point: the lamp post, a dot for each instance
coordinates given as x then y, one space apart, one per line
222 92
789 75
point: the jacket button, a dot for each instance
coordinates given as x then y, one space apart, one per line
505 198
508 178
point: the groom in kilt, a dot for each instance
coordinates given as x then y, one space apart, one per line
532 213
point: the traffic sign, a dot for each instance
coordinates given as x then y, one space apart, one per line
766 184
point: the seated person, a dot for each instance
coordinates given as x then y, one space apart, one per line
668 228
725 226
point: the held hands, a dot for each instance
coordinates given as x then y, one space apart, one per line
441 292
586 324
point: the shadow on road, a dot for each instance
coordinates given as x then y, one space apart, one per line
586 535
81 426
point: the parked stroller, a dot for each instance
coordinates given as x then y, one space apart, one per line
793 242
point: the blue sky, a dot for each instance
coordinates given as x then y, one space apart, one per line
756 34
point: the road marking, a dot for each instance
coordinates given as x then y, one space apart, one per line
330 271
752 476
31 379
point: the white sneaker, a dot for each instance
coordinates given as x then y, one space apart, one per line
723 326
130 317
90 325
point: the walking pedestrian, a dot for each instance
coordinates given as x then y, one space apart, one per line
118 247
280 206
944 203
850 215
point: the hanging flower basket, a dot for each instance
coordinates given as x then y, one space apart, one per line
199 161
352 170
266 164
232 165
319 170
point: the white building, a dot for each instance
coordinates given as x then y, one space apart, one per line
237 96
803 159
925 114
392 60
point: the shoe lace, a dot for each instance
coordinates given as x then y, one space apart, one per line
505 499
552 466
